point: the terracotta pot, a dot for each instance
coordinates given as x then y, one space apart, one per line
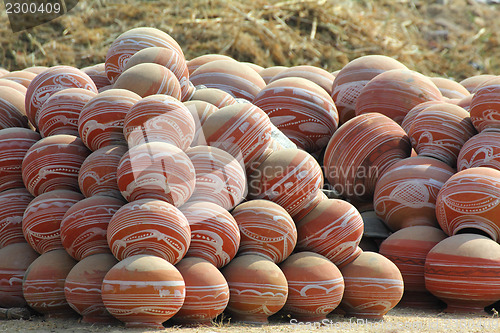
468 202
450 88
156 170
301 109
200 111
215 236
36 69
314 74
13 203
268 73
485 106
12 109
53 163
207 292
84 226
463 271
333 229
406 194
194 63
373 286
131 41
14 85
83 288
472 82
14 143
320 196
289 177
15 260
59 113
98 74
159 118
214 96
266 229
97 175
360 151
408 248
152 227
440 131
413 113
21 77
315 286
257 288
482 150
220 178
143 291
101 120
43 216
43 284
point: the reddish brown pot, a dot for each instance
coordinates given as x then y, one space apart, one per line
413 113
449 88
482 150
471 83
12 109
464 271
485 106
200 110
13 203
268 73
314 74
194 63
98 74
214 96
21 77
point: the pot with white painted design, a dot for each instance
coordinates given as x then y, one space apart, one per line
97 73
216 97
12 109
485 106
200 110
482 150
13 204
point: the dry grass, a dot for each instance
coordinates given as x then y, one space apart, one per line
456 39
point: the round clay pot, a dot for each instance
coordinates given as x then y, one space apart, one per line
21 77
159 118
485 106
301 109
84 226
35 69
83 288
266 229
413 113
43 284
450 88
101 120
220 178
194 63
53 163
14 143
315 286
360 151
464 271
214 96
268 73
143 291
13 203
333 229
468 202
156 170
14 85
257 288
471 83
97 175
43 216
373 286
320 196
152 227
12 110
207 292
289 177
200 111
315 74
98 74
15 260
406 193
482 150
215 236
408 248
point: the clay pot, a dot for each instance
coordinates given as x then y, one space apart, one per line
43 284
464 102
207 292
53 163
463 271
14 85
440 131
360 151
83 288
101 120
217 97
472 82
238 79
215 236
156 170
49 82
413 113
450 88
482 150
14 143
301 109
485 106
268 73
15 260
333 229
406 194
353 77
468 202
13 203
84 226
266 229
320 196
159 118
152 227
373 286
131 41
315 74
220 178
257 288
59 113
395 92
12 111
143 291
21 77
315 286
36 69
243 130
289 177
97 175
408 248
200 111
43 216
98 74
194 63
